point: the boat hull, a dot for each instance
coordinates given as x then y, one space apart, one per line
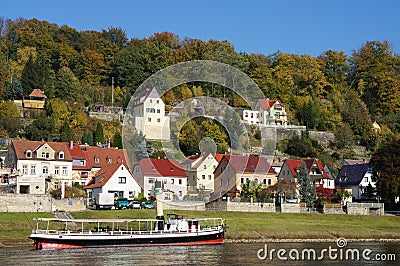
70 241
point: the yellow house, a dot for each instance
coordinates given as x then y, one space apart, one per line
235 170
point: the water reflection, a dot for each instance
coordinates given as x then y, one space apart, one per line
227 254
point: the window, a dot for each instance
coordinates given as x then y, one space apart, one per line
57 170
158 120
227 183
256 179
131 194
28 154
269 181
242 180
109 160
151 180
149 119
172 181
246 114
158 101
205 166
61 155
203 177
47 155
33 169
180 193
158 111
209 177
24 169
45 170
96 159
180 181
64 170
151 100
122 180
278 115
43 155
264 181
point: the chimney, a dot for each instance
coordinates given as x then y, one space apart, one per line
71 144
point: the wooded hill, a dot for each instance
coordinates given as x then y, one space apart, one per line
333 92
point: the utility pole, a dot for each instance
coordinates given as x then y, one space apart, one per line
112 91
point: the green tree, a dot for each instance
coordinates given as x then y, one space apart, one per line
386 168
41 129
14 90
117 140
98 134
305 183
87 138
344 136
67 85
251 190
30 77
10 118
66 132
355 113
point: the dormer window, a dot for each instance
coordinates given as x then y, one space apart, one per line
28 154
109 160
96 159
61 155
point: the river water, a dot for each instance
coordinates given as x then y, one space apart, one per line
225 254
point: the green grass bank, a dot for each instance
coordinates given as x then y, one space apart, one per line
15 228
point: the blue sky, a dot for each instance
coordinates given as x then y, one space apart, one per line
299 27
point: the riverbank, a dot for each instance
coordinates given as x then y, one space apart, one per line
242 226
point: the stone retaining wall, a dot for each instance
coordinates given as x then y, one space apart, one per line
38 203
241 206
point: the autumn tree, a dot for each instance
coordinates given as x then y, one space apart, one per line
386 168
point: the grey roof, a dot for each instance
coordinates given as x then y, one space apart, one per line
351 175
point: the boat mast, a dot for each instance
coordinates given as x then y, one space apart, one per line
160 211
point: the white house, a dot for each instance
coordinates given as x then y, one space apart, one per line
115 179
266 112
169 172
357 177
40 166
200 171
149 116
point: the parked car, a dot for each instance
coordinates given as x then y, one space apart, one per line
134 205
147 205
122 203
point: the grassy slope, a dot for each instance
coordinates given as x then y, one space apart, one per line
15 228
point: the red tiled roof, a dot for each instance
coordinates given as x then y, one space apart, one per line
293 165
249 164
161 167
21 146
105 156
266 104
37 93
103 175
219 157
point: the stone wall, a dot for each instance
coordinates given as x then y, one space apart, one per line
241 206
38 203
365 208
333 209
183 205
290 207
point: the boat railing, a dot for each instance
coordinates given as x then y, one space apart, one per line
121 226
